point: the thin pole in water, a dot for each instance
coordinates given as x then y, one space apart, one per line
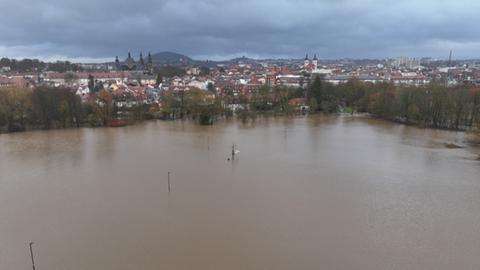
169 185
209 143
233 151
31 255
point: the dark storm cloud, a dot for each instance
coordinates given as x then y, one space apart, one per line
219 29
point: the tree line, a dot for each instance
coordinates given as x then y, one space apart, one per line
35 65
58 107
199 105
47 107
432 106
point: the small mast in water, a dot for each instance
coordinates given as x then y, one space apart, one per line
234 151
31 254
169 184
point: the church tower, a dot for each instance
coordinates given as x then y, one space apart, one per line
315 62
149 62
306 62
130 63
141 62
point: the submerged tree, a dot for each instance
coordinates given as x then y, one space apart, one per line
56 107
102 108
15 108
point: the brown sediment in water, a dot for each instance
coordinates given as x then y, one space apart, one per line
309 193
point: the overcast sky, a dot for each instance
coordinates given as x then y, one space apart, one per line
87 30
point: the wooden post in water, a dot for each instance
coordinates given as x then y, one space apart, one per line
208 143
233 152
31 255
169 185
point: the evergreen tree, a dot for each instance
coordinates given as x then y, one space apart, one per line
315 90
91 82
211 88
159 79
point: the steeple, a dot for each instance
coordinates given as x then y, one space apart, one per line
149 59
149 63
142 63
129 62
315 62
306 62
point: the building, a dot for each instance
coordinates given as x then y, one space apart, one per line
79 78
129 63
406 62
310 65
408 78
14 81
343 78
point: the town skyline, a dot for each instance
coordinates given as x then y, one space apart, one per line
135 55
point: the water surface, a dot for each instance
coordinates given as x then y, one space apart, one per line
304 193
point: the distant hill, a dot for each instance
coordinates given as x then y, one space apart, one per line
176 59
171 58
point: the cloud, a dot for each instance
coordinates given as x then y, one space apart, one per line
216 29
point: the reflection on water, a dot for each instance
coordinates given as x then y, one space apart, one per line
304 193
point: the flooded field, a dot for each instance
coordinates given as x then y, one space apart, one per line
304 193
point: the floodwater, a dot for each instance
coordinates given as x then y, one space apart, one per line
303 193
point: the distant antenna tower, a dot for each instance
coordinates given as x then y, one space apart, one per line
450 59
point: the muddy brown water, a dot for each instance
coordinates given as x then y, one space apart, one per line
303 193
